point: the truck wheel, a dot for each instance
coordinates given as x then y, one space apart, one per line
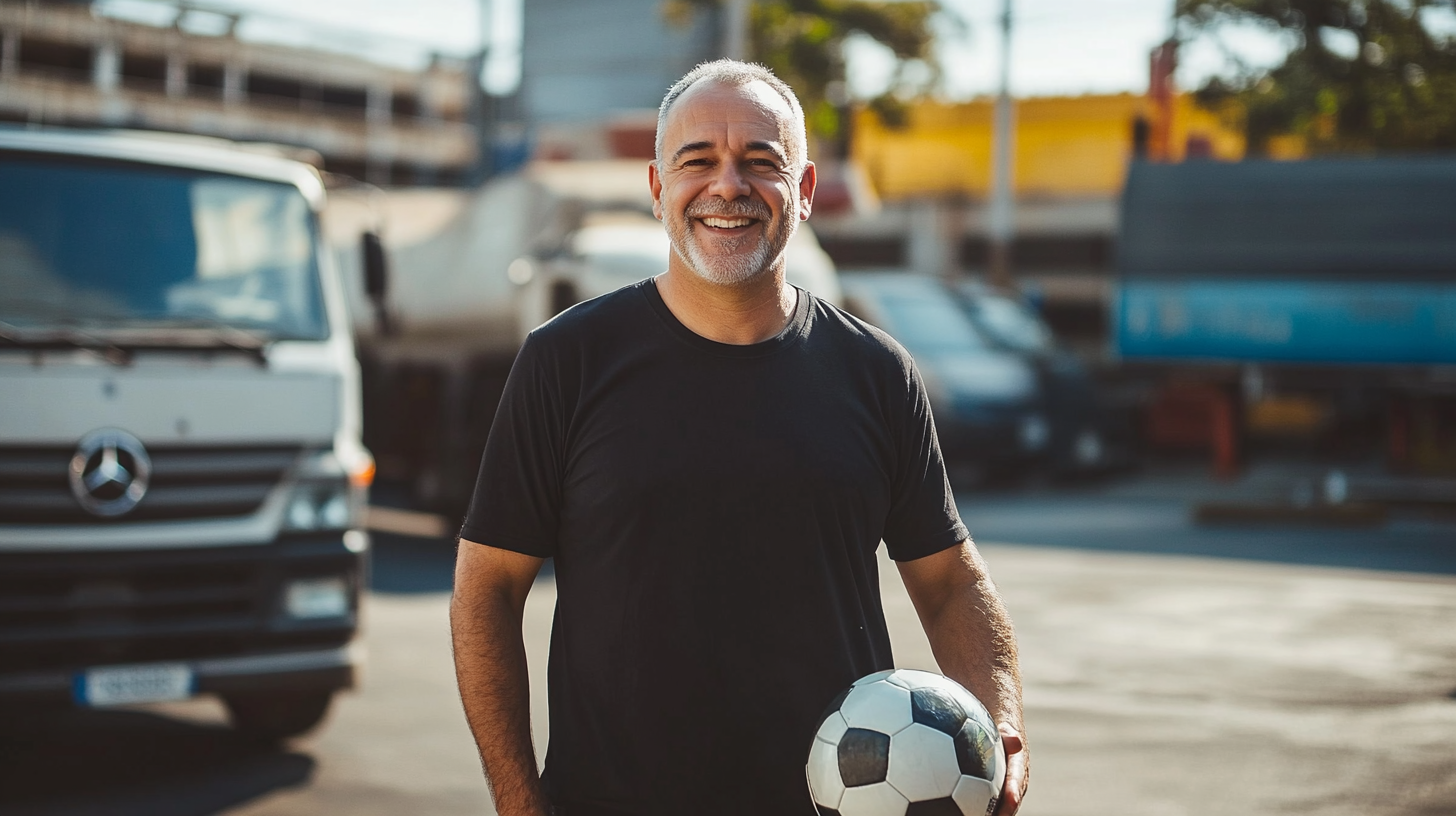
270 718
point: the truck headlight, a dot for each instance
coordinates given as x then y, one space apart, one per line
308 598
319 506
331 491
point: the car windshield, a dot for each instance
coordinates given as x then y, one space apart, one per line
95 245
628 267
1011 323
623 253
927 323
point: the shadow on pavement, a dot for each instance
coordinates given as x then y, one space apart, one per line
131 763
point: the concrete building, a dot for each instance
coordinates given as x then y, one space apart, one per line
593 74
61 64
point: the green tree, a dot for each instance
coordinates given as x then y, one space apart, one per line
803 42
1396 91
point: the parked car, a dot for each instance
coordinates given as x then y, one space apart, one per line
1078 425
987 399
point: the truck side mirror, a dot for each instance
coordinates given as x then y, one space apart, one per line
376 278
376 266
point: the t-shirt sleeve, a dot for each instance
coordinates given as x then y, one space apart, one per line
517 499
923 518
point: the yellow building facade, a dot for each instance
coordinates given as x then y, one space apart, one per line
1066 147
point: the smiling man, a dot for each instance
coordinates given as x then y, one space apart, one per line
728 228
712 458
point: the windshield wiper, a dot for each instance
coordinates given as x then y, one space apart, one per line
64 338
188 331
118 344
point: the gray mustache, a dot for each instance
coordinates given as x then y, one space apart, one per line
728 209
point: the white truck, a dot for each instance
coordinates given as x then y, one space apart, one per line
182 480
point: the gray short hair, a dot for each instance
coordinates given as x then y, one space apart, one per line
733 72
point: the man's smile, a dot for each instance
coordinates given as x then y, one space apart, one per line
728 223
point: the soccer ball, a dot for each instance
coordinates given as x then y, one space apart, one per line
906 743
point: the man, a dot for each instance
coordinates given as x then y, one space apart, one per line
712 457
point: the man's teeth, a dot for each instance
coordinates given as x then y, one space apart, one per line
727 223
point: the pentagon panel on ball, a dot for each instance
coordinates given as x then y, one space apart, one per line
906 743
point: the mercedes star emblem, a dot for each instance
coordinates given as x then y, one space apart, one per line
109 472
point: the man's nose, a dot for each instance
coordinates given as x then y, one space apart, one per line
729 182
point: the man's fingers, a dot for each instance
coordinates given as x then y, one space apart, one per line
1017 773
1010 739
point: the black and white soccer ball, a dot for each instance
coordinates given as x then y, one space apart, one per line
906 743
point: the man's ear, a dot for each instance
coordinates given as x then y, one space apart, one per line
654 183
807 183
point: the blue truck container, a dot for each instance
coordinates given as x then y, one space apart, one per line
1347 262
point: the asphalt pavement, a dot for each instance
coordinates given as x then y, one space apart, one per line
1170 668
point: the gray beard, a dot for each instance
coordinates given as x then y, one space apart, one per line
727 270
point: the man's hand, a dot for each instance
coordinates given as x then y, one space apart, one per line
1017 771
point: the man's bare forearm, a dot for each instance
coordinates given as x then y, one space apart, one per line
969 630
490 666
974 643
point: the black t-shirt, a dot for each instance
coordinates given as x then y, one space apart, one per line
713 511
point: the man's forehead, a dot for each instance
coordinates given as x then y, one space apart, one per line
712 102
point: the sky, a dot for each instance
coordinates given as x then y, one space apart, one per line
1058 46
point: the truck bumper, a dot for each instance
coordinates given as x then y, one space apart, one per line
226 618
322 670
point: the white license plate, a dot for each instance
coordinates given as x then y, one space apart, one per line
121 685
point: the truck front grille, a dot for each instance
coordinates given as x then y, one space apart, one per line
67 610
186 483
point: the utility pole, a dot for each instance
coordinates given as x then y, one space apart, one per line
487 38
483 108
1000 222
1162 62
735 29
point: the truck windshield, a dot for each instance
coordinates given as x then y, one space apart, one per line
95 245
